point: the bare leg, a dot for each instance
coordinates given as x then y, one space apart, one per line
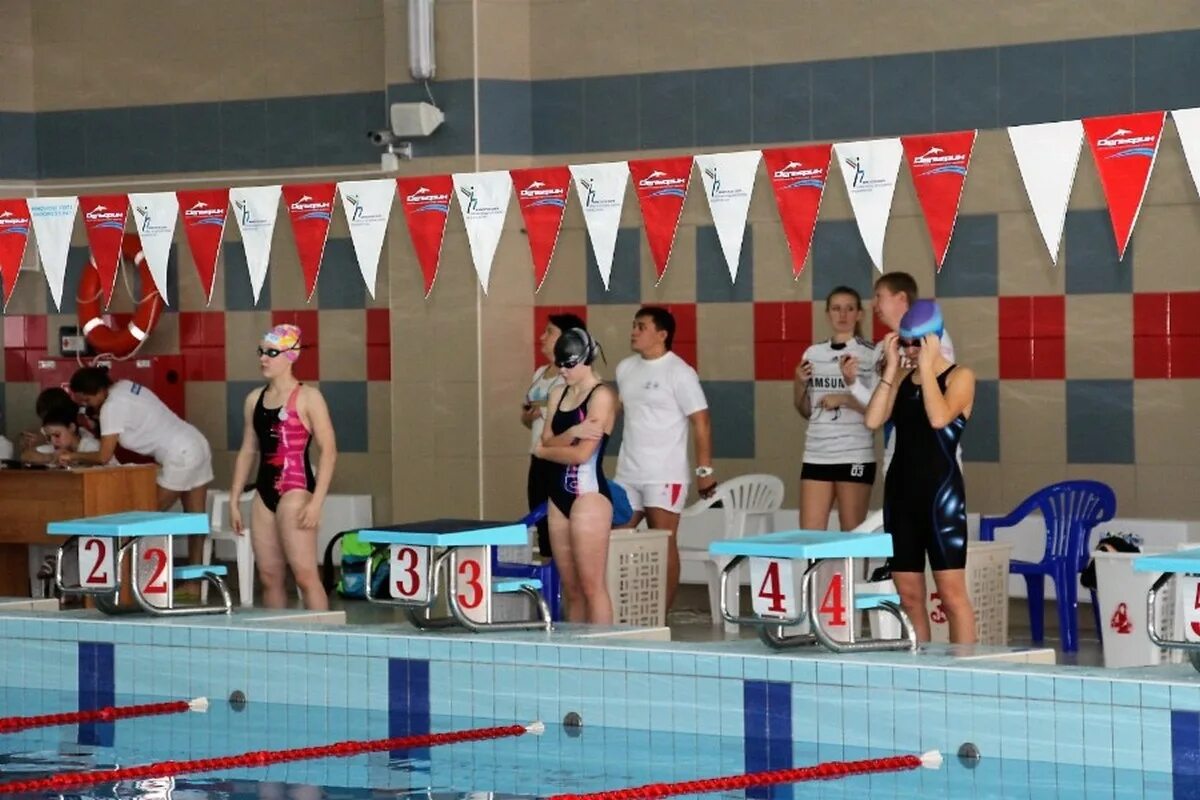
816 498
300 549
591 524
852 500
911 588
663 520
268 556
564 560
952 587
195 500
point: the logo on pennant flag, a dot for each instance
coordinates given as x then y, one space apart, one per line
869 170
661 185
256 208
939 163
104 221
426 203
14 236
728 185
53 220
1124 148
483 200
542 197
601 190
154 217
368 206
798 177
204 212
310 207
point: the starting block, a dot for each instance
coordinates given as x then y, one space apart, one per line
451 560
785 596
1184 566
146 537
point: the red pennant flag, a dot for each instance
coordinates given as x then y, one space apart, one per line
104 221
310 205
661 185
204 212
542 195
938 163
798 177
1124 147
14 235
426 203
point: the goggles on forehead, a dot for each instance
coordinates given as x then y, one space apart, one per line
272 352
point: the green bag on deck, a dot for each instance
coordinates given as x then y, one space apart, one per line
355 553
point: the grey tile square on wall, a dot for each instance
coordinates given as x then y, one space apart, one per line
340 284
107 143
840 259
667 110
841 98
902 94
712 272
724 103
1100 422
235 399
981 439
782 103
77 259
59 134
1098 74
625 280
610 113
557 108
154 146
505 110
243 134
1165 66
290 132
731 407
347 402
197 136
1031 83
1091 255
342 120
239 295
966 89
970 266
18 157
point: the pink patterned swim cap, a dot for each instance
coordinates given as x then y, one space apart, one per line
285 338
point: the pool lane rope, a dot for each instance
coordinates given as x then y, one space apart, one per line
106 714
828 770
261 758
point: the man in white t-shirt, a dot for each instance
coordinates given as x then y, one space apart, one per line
895 292
661 397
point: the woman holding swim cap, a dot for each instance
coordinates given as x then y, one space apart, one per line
580 508
924 500
281 421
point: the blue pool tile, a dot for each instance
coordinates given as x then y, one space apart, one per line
482 652
732 723
1014 731
829 673
1126 693
419 648
879 676
731 667
506 653
439 649
616 699
958 681
986 723
683 664
547 655
933 718
161 636
614 660
1097 690
1098 735
1068 689
660 661
460 651
683 706
568 656
755 668
933 680
829 715
637 660
1185 697
855 716
1041 727
1156 739
1012 685
778 669
1068 730
708 666
1040 687
1127 736
881 722
854 675
637 694
804 670
377 646
906 678
660 702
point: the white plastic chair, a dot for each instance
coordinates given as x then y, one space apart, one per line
743 499
218 515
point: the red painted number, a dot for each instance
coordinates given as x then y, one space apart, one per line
938 614
96 576
157 583
832 603
1196 605
473 571
408 559
771 590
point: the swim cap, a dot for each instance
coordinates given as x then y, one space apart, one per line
285 338
574 347
924 317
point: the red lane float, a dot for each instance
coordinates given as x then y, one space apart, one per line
106 340
106 714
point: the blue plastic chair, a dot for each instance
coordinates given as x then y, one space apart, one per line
1071 510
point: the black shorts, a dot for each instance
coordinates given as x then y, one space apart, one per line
839 473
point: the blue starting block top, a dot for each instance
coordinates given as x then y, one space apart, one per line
1186 561
806 545
133 523
448 533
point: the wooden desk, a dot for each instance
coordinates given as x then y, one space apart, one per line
31 499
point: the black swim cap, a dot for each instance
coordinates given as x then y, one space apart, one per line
574 347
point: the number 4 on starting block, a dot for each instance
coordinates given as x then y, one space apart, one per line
775 585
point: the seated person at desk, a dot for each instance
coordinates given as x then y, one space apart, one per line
281 421
60 427
54 399
134 417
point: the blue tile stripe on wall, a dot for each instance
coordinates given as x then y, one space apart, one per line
97 689
408 700
767 722
1185 753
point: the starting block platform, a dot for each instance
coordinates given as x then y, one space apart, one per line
1184 567
784 592
146 537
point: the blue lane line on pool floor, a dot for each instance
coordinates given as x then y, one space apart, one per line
408 699
97 689
767 724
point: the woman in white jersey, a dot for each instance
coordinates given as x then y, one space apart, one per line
839 450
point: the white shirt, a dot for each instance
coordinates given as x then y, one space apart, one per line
538 393
87 444
143 423
838 436
657 395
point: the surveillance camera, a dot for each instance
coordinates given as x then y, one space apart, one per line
382 137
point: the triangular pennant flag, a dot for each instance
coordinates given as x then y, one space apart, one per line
728 185
154 216
661 185
542 197
14 236
310 206
426 204
939 164
601 189
368 205
104 221
1124 147
1187 122
204 212
798 177
869 169
255 209
1047 157
483 200
53 221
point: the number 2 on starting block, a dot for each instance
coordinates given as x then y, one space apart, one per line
409 571
97 567
1189 596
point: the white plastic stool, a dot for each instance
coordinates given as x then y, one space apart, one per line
218 515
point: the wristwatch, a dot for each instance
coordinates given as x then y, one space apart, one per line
704 472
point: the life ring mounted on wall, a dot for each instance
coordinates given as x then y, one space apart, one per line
104 339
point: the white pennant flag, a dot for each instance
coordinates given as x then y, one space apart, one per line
728 185
368 205
483 199
53 221
255 208
869 170
601 189
1047 156
154 214
1187 122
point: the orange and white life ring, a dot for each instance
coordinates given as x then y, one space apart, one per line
106 340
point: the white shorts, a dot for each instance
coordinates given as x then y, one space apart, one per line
187 467
667 496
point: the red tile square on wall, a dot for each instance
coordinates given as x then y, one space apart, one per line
1016 359
1151 314
1151 357
1014 317
14 333
201 329
768 322
379 362
379 326
1049 316
1049 360
685 322
686 351
1185 356
783 322
1184 314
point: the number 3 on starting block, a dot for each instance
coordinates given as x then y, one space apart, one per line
773 587
97 568
409 571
